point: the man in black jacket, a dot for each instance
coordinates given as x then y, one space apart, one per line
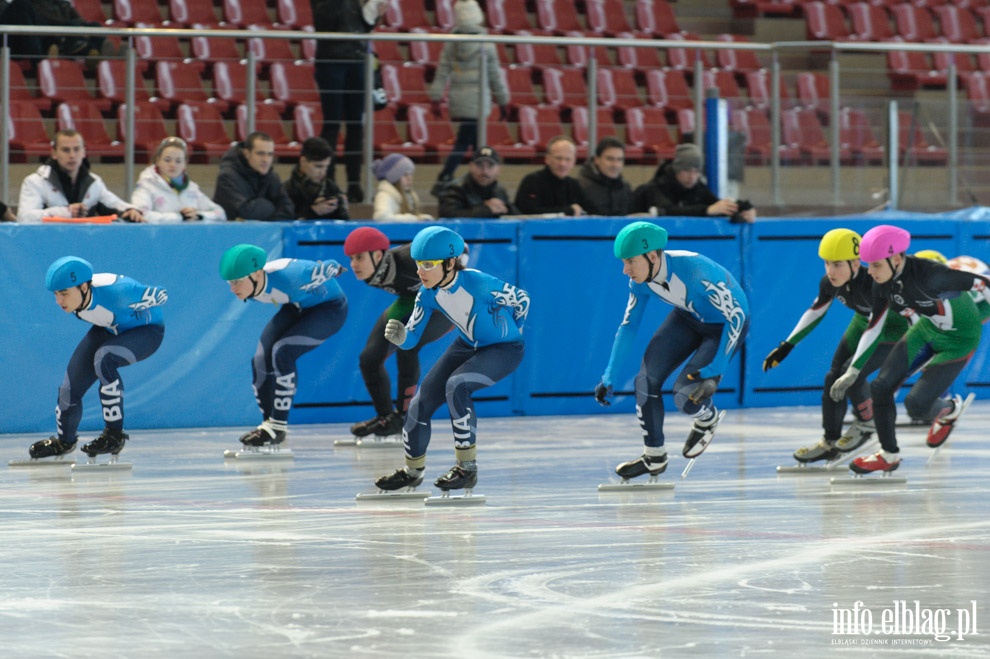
551 189
601 179
247 186
313 191
478 193
677 189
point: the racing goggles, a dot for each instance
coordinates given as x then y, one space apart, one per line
428 265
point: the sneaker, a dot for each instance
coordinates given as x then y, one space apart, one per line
400 479
858 434
110 441
458 477
879 461
654 465
943 424
262 436
823 450
51 447
701 436
380 426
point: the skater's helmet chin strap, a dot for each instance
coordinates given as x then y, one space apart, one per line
87 295
258 285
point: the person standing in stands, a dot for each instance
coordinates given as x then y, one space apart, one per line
340 76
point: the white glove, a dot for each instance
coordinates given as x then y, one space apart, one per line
395 332
840 386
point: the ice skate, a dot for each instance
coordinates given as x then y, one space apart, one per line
881 462
263 443
462 476
386 431
943 425
654 465
40 451
110 442
859 433
823 450
400 484
701 436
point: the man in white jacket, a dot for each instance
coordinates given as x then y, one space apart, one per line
64 187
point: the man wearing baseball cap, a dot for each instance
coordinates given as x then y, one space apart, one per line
478 193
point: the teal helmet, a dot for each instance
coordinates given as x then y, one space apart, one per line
67 272
241 260
639 238
437 243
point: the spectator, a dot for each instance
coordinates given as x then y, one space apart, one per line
165 193
31 47
340 75
460 66
552 189
601 179
65 187
395 199
678 189
61 13
311 187
247 186
478 193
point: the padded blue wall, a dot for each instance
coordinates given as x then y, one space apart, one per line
201 374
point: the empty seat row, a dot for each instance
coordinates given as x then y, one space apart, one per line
289 14
864 21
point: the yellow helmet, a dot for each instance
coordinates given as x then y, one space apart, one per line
840 245
932 255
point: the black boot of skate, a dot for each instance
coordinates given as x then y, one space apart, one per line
701 435
260 436
654 465
110 441
51 447
380 426
400 479
462 476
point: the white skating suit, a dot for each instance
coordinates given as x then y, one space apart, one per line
489 315
128 327
707 326
313 309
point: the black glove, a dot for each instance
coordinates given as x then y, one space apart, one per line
702 389
777 355
602 394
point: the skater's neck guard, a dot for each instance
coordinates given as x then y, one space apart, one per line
384 270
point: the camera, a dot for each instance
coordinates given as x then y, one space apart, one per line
744 205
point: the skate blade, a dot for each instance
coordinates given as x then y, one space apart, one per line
383 441
447 499
396 495
283 454
41 463
346 442
865 481
630 487
804 469
100 467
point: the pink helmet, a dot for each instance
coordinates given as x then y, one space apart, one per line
882 242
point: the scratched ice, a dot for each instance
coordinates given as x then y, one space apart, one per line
192 556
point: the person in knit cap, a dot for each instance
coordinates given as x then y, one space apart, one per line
677 189
395 199
314 193
460 67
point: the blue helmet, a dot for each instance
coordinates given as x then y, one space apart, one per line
67 272
436 243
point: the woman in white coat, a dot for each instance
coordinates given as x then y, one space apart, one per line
165 193
395 199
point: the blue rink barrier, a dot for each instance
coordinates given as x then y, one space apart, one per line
201 376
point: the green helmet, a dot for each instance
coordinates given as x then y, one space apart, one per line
840 245
241 260
639 238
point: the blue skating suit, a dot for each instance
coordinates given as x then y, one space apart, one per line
489 315
128 327
708 324
313 309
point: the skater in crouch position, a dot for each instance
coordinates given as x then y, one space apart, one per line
127 328
944 333
313 308
489 316
707 326
851 285
393 271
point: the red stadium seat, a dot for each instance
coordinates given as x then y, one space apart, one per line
403 15
825 22
855 130
155 49
739 62
500 137
801 129
656 18
617 89
963 62
519 82
607 17
759 142
133 12
92 11
389 53
913 23
62 81
958 25
538 124
230 81
267 120
870 22
246 13
388 140
909 70
558 16
111 77
914 148
293 84
640 60
268 51
149 127
508 16
685 58
19 91
565 88
760 93
647 129
444 13
405 85
537 56
211 50
295 14
668 89
187 13
202 127
180 82
87 119
813 91
26 132
725 83
433 133
426 53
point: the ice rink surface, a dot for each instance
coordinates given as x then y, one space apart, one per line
190 555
